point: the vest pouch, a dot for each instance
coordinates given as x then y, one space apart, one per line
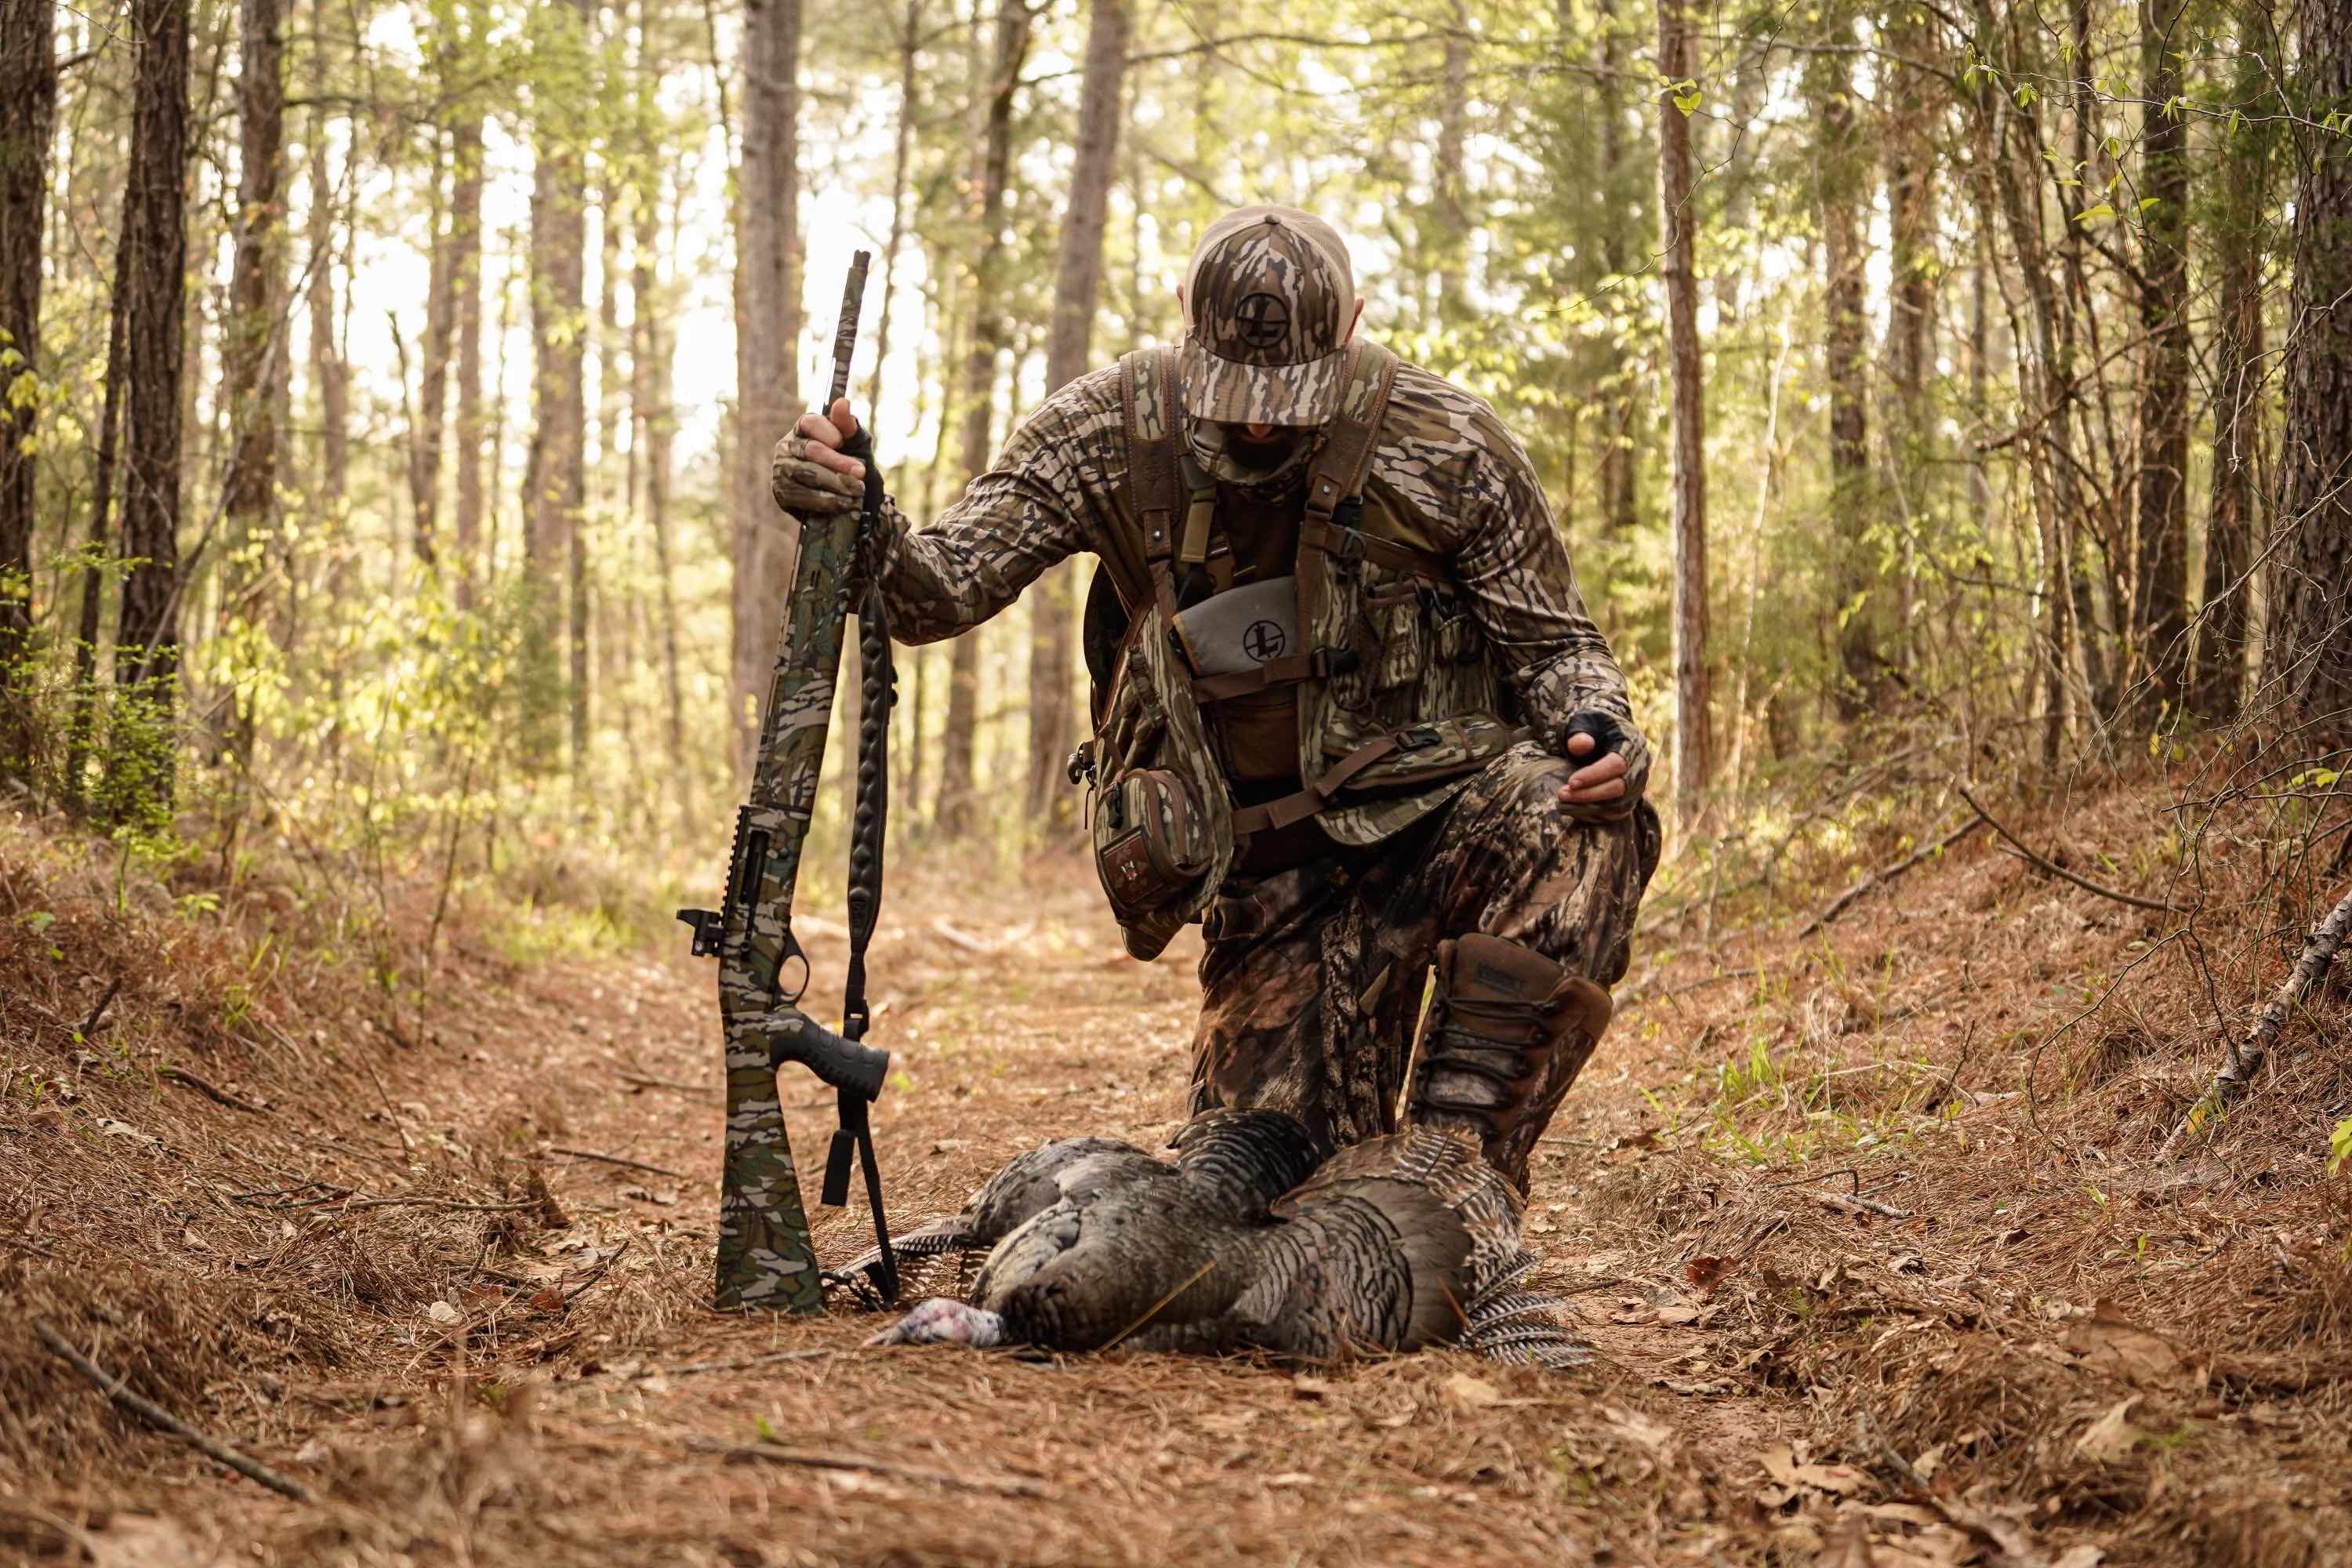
1162 821
1241 629
1258 735
1229 637
1151 843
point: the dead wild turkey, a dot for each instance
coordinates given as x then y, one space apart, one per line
1251 1240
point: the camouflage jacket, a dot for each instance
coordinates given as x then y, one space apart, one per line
1445 479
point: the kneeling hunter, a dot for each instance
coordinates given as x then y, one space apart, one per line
1350 711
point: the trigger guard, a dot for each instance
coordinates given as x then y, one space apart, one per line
789 996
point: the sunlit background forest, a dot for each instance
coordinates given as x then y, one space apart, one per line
395 395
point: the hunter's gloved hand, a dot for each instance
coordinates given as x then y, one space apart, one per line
1612 765
812 476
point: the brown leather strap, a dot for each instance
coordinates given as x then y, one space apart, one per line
1347 449
1147 394
1353 544
1289 670
1316 798
1342 462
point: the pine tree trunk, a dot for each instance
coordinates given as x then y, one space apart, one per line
433 383
79 727
2158 636
553 548
650 372
1909 438
155 271
28 99
2232 519
1693 758
1453 212
909 36
250 350
2309 650
1617 491
466 272
1077 287
954 814
767 340
329 376
1854 582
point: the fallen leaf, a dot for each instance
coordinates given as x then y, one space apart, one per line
1840 1480
663 1199
1929 1461
1847 1547
1679 1317
2084 1556
1305 1387
2111 1437
2108 1343
1472 1393
1292 1478
113 1129
1640 1428
443 1312
1703 1271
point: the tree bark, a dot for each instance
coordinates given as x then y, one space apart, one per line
1854 582
2232 519
2309 650
251 345
1692 751
29 101
767 344
79 728
1617 491
433 382
954 814
552 543
1908 437
466 272
1077 288
649 369
1453 212
154 271
327 509
2158 636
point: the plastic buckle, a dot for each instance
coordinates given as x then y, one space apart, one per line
1415 739
1347 545
1326 662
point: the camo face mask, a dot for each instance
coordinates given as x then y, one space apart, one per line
1261 468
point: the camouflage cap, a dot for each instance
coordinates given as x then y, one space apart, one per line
1271 299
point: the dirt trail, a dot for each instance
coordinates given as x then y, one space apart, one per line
544 1382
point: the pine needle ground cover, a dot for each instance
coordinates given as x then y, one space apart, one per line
1876 1229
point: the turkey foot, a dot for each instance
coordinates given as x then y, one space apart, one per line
943 1320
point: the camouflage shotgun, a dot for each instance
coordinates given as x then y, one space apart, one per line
766 1259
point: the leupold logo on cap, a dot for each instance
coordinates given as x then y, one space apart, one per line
1263 320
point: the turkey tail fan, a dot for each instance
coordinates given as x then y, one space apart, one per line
1521 1327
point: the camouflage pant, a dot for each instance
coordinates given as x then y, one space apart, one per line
1312 980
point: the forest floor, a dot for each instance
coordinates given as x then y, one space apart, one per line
1883 1258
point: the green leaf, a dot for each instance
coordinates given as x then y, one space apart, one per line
2340 1145
2092 215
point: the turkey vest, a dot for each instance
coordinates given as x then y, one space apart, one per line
1362 679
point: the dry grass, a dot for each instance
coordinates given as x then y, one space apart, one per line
2065 1341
